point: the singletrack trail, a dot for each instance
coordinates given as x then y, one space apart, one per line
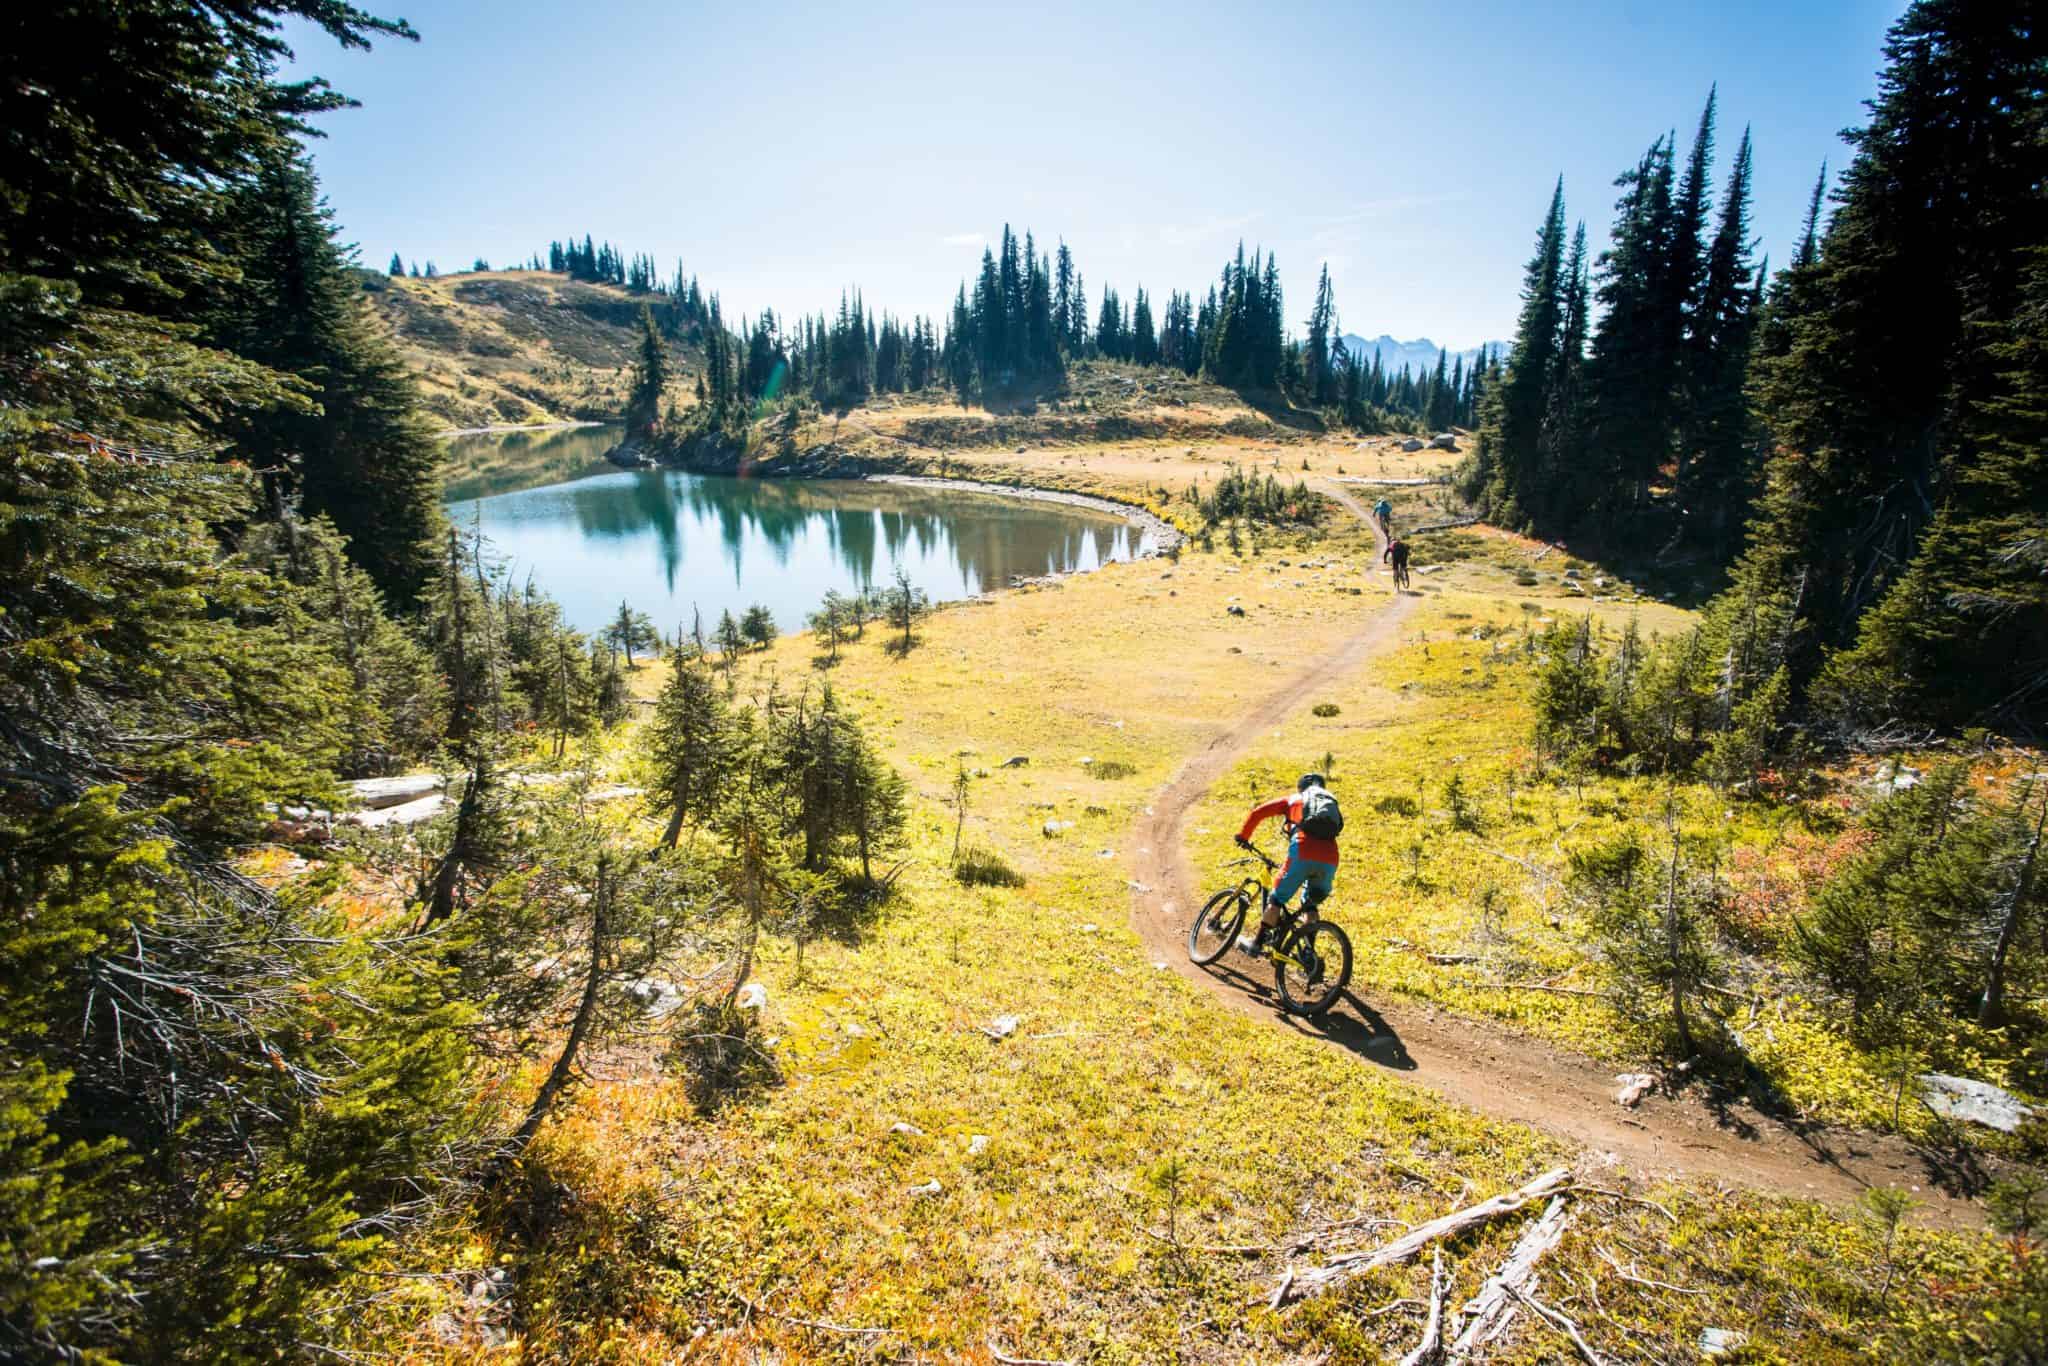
1490 1068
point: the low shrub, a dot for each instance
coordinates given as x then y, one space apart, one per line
1112 768
1326 709
985 868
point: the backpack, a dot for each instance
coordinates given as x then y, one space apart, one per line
1320 817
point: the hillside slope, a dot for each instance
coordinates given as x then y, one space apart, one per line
519 347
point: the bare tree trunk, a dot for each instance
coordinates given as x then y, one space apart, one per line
1993 1008
586 1011
1673 947
461 848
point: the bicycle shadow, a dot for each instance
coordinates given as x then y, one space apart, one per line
1359 1029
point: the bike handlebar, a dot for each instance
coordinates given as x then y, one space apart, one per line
1257 853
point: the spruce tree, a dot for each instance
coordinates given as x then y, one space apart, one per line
1507 460
356 449
1934 239
650 378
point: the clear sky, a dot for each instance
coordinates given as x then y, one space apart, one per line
785 152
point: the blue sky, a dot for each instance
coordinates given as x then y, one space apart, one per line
785 152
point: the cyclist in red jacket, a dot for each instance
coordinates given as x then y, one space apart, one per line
1309 813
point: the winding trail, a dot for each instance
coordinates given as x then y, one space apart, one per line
1494 1070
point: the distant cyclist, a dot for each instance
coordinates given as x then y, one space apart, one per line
1383 511
1313 823
1396 554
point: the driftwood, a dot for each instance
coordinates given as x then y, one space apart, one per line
1432 1345
1300 1284
1556 1319
1490 1311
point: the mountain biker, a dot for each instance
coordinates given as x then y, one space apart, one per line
1383 510
1397 553
1311 857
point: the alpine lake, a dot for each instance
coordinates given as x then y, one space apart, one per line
680 546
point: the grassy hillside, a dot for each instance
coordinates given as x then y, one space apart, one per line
519 347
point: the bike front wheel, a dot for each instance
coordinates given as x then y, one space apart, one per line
1312 968
1216 925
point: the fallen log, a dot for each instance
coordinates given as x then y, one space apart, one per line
1490 1311
1431 1347
1300 1284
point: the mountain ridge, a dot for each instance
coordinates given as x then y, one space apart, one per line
1419 355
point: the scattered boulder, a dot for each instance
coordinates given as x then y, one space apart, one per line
1721 1342
405 813
1411 445
1634 1086
656 995
1016 761
1052 828
926 1191
1002 1026
1978 1102
753 996
977 1144
378 793
1443 441
906 1129
1234 610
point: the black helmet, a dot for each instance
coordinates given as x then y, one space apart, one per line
1309 780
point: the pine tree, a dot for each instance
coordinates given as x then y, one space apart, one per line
366 456
650 378
397 267
1718 448
1934 236
1316 358
1507 464
694 742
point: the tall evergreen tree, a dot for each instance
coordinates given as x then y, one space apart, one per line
1885 393
357 450
1507 459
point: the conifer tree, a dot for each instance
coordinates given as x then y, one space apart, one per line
650 378
1934 238
1507 462
357 449
694 741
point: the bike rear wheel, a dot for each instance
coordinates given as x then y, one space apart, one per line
1216 925
1313 968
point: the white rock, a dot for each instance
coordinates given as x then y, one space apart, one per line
926 1191
1720 1342
377 793
906 1128
1089 928
405 813
977 1144
1002 1026
753 996
1978 1102
1634 1086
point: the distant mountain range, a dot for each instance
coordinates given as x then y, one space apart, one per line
1418 355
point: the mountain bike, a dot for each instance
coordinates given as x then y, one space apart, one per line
1311 958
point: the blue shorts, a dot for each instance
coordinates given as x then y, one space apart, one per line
1319 878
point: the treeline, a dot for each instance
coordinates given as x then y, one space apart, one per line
227 584
1862 442
1634 429
1024 318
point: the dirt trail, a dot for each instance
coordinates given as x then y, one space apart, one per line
1492 1069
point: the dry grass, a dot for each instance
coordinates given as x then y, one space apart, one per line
1129 1122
